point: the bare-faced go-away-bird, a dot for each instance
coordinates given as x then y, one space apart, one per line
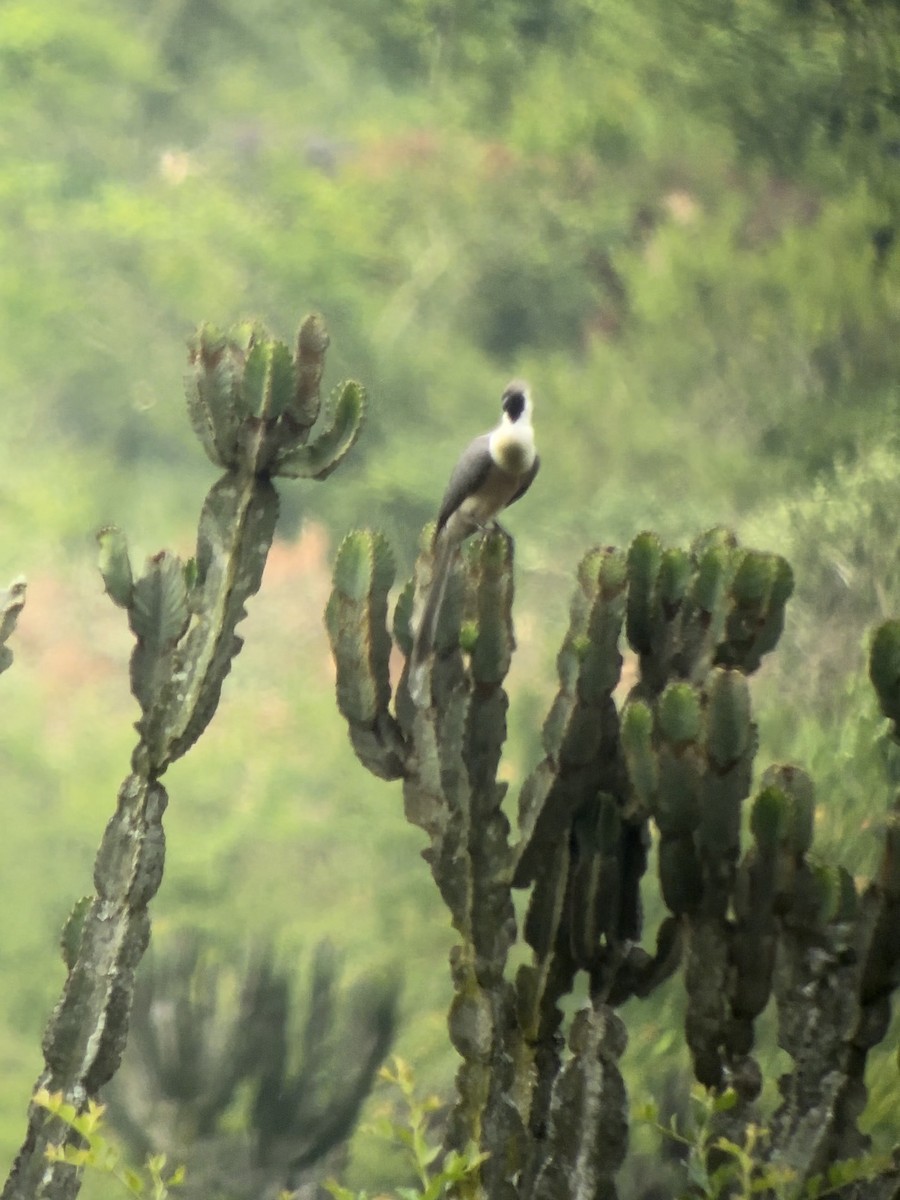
494 471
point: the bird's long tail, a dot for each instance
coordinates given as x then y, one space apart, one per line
423 642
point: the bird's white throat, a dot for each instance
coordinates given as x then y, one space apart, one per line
512 447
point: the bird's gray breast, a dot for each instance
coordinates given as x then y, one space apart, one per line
468 476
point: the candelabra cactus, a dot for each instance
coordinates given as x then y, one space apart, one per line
254 406
679 757
204 1026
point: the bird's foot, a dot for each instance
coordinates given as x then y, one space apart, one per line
496 527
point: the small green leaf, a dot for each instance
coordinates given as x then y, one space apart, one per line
647 1111
133 1181
404 1137
75 1157
342 1193
427 1154
725 1101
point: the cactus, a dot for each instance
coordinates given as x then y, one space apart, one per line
202 1028
12 601
677 757
254 406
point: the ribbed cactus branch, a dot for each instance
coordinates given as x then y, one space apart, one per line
12 601
691 767
461 734
85 1037
762 586
318 458
447 747
817 989
587 1131
581 733
356 619
699 623
836 971
312 342
838 965
718 603
680 756
252 404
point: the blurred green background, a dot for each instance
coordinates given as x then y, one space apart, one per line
678 221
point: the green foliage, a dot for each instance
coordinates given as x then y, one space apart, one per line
96 1151
647 237
436 1173
717 1167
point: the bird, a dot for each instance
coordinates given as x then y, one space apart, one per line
493 472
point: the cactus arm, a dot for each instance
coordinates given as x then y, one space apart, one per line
318 458
12 601
587 1132
242 402
356 620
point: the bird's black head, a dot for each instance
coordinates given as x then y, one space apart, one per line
515 399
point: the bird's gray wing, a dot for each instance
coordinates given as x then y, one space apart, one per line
527 481
468 476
